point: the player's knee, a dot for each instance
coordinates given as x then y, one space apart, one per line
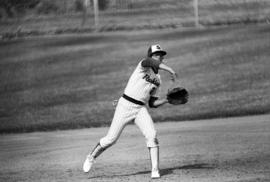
152 142
151 134
107 141
151 139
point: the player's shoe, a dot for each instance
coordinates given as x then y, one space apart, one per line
88 163
155 174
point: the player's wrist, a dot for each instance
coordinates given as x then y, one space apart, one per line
164 101
160 102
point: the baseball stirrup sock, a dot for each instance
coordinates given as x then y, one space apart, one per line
154 156
97 151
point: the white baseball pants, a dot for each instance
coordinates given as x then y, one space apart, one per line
126 112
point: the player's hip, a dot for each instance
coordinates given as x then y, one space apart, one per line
128 102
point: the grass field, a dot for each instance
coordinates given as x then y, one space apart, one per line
70 81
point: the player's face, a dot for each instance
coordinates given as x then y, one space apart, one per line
158 56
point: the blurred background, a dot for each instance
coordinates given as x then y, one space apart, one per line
62 16
63 62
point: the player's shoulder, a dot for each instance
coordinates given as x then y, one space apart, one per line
140 64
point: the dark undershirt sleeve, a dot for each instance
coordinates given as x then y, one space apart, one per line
151 63
151 101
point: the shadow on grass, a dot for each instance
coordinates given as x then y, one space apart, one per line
163 172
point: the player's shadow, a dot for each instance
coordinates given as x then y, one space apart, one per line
168 171
163 172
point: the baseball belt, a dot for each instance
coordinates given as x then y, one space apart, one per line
133 100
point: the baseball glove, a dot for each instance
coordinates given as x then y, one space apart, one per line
177 96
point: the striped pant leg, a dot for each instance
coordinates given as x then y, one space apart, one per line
146 125
125 112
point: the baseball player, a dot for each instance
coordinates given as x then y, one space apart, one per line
141 90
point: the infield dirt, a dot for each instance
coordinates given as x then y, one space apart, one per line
232 149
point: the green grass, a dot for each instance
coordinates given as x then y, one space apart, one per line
70 81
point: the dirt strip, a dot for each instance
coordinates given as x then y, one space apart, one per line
231 149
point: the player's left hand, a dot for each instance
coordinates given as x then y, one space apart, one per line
177 96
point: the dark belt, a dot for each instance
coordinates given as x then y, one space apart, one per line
133 100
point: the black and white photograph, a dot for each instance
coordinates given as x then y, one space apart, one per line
135 90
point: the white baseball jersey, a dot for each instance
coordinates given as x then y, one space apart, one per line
143 83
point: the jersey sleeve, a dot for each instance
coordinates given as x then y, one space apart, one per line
151 63
154 97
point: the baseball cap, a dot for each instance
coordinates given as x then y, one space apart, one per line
156 48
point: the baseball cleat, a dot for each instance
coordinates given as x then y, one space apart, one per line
155 174
89 161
